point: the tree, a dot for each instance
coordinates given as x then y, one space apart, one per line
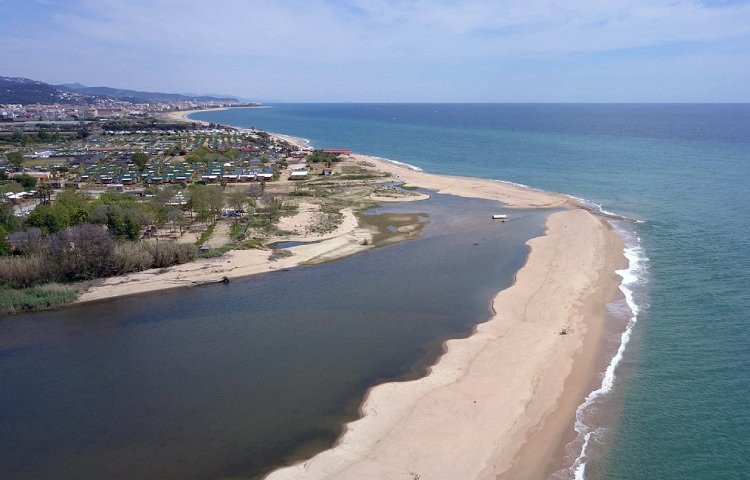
77 206
27 181
273 206
177 218
320 157
45 193
237 200
15 159
83 131
8 219
232 153
206 201
140 160
82 252
4 244
49 218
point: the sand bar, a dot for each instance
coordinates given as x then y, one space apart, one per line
498 404
488 395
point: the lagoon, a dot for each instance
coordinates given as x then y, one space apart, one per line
232 380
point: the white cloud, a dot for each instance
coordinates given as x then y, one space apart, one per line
328 32
374 49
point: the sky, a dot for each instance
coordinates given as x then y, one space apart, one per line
389 50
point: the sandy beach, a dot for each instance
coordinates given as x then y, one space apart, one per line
498 404
182 115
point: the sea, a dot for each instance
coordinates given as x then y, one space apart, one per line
673 401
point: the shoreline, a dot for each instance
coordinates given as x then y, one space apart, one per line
533 421
182 115
455 422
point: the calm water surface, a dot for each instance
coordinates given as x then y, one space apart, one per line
230 380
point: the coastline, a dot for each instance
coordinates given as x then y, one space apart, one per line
500 403
182 115
517 431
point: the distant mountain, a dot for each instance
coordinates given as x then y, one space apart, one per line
137 96
25 91
75 86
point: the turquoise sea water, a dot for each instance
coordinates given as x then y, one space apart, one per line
676 404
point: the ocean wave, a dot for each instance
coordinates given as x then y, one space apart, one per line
632 276
403 164
599 208
527 187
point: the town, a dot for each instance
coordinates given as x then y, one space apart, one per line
139 191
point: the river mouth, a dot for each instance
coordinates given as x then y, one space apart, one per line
234 380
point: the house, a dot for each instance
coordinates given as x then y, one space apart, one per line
298 175
327 172
338 151
41 177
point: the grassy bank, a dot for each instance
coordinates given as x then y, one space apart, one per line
35 298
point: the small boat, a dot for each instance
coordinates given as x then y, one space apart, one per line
499 217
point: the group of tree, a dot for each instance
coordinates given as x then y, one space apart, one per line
205 155
318 156
15 159
205 201
83 252
43 134
76 237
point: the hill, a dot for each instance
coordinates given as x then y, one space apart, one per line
137 96
18 90
26 91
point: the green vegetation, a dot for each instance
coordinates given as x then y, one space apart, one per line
84 252
206 234
35 298
140 160
215 252
180 177
15 159
206 201
319 157
237 230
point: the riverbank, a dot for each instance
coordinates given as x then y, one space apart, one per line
347 239
501 402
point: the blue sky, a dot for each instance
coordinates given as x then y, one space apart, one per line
389 50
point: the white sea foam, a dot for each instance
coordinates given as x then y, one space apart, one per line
598 207
404 164
527 187
631 276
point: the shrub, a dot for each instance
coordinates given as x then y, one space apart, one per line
19 272
166 254
130 257
27 242
82 252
